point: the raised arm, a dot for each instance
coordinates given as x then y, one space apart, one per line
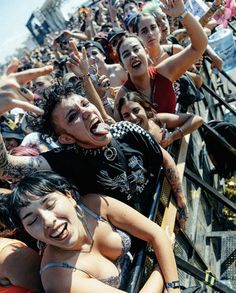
215 6
176 65
79 65
10 97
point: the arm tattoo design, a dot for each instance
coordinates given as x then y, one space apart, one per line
174 181
17 167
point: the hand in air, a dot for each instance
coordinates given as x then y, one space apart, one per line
78 62
12 93
172 8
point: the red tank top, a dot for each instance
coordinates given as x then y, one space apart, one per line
163 96
14 289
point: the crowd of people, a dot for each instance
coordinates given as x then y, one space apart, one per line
86 122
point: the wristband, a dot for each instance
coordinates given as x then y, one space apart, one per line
83 77
182 16
173 285
214 8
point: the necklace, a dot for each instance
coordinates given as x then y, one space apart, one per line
110 153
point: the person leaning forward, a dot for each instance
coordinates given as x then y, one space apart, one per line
122 161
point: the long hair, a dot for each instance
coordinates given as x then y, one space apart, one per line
122 39
138 98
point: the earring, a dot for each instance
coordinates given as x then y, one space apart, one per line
41 246
79 212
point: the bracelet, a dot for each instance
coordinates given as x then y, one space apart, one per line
83 77
180 131
182 15
214 8
173 285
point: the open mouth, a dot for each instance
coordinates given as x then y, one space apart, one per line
59 232
99 128
138 122
136 64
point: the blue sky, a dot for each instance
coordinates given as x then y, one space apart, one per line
14 14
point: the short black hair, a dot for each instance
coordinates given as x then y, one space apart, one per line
52 96
129 1
35 185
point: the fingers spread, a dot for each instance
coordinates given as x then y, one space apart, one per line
28 107
13 66
74 48
8 83
27 94
30 74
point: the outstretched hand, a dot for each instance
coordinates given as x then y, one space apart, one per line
172 8
78 63
11 93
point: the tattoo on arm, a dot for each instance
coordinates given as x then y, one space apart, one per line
16 167
174 181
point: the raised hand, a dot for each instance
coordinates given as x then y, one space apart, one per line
11 93
172 8
13 66
78 63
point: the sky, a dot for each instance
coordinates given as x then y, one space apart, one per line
14 15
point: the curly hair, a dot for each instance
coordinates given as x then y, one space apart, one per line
52 96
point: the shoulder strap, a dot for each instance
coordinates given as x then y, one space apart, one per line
62 265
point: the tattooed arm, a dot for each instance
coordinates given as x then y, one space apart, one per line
172 175
12 96
18 166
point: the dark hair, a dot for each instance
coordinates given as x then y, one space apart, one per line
127 2
52 96
33 186
6 224
123 38
137 20
138 98
94 44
